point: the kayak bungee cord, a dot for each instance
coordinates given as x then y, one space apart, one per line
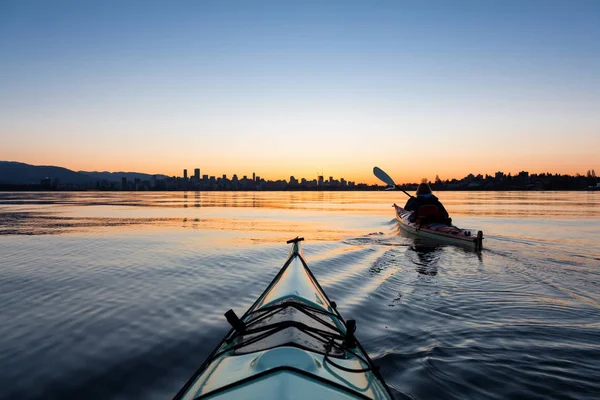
353 370
326 338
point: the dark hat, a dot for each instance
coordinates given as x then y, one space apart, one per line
423 189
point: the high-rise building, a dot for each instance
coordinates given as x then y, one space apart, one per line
197 173
320 180
254 176
185 174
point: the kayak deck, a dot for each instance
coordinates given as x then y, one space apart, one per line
292 343
441 232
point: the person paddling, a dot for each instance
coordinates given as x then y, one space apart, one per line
434 212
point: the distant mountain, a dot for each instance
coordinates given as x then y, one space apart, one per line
16 173
117 176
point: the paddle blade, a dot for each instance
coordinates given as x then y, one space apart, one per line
380 174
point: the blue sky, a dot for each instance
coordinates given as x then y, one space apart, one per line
292 88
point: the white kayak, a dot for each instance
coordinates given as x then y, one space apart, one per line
439 231
291 344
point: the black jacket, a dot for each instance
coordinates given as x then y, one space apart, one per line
414 203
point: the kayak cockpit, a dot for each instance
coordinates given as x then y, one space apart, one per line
283 373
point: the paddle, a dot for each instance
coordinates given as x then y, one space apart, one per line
385 178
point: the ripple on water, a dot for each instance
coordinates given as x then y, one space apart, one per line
126 297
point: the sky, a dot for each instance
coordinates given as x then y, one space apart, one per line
418 88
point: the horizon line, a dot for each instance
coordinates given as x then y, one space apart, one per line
292 175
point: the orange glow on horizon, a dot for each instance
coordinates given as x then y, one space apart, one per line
351 172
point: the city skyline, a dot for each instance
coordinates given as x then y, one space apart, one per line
292 89
321 177
198 176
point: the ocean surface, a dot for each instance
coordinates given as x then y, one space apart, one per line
121 295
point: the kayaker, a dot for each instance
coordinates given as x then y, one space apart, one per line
425 197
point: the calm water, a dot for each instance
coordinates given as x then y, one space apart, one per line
122 295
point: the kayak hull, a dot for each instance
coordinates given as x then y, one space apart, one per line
292 343
440 232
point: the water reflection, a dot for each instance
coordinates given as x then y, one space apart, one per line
427 258
162 272
489 204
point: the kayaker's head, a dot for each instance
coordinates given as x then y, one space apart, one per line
423 189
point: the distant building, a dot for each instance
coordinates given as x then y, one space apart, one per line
197 173
254 177
522 178
320 180
185 174
123 183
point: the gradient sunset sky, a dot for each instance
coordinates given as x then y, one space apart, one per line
284 88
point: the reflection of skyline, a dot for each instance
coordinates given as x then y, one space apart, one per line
114 209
